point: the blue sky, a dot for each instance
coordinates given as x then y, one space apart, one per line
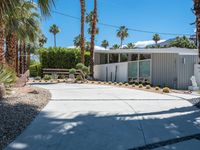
173 16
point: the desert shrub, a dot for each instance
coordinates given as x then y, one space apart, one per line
109 82
57 57
133 85
61 77
80 66
54 76
47 77
79 78
136 83
157 88
35 69
120 83
148 87
85 70
99 82
115 83
72 71
7 75
37 78
140 86
166 90
126 84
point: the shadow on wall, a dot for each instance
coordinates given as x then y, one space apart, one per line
105 131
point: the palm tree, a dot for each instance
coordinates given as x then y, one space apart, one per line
130 46
105 44
156 38
93 33
82 38
197 13
42 40
122 33
54 30
89 19
6 6
115 46
77 41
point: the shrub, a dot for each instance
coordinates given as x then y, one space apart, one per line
126 84
109 82
7 75
157 88
57 57
85 70
133 85
99 82
35 69
80 66
54 76
72 71
61 77
115 83
79 78
166 90
120 83
140 86
148 87
47 77
37 78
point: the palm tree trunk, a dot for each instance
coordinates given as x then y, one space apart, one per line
24 57
2 58
17 58
82 46
54 40
92 39
121 42
197 13
20 58
28 57
11 50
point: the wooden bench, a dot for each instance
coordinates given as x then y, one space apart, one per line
65 72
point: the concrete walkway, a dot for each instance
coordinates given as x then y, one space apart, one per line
97 117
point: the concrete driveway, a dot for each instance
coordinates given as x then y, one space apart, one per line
97 117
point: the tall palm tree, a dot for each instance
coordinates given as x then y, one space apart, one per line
156 38
82 37
122 33
104 44
54 30
6 6
93 33
197 13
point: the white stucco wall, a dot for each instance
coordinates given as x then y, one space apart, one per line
121 75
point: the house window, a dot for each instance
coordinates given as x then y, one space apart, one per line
103 58
113 58
134 57
123 57
145 56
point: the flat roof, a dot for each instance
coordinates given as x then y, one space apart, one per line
180 51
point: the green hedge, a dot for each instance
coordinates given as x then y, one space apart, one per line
35 69
61 57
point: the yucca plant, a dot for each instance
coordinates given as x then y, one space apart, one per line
7 75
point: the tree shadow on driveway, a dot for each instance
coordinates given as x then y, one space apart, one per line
108 131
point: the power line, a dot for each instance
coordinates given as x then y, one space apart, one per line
117 27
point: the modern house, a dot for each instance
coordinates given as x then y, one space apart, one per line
172 67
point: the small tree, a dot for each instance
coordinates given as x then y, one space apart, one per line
130 46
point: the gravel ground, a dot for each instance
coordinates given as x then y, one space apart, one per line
18 110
